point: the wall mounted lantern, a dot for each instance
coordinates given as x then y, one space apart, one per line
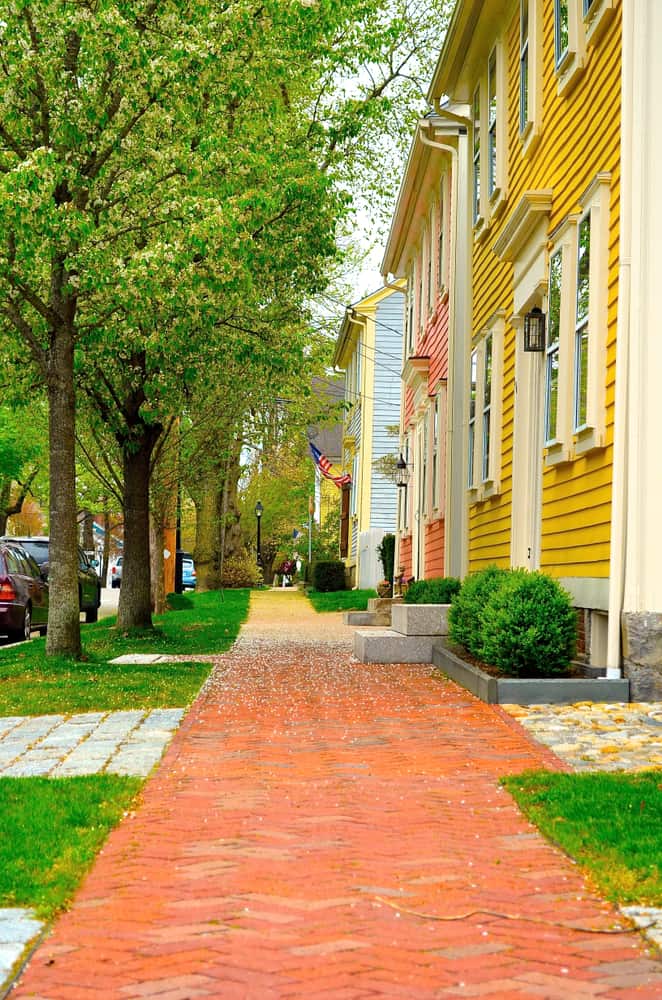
534 330
402 474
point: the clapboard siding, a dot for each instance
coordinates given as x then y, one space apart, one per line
386 407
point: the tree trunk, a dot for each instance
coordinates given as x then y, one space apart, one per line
63 636
207 539
135 603
106 546
5 494
156 546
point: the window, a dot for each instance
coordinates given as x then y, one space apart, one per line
581 323
424 467
430 262
487 407
531 47
553 343
355 485
489 156
441 244
409 318
485 410
561 30
435 453
476 155
419 311
576 353
588 4
357 371
472 415
523 65
492 121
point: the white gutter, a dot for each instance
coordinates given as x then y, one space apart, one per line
619 502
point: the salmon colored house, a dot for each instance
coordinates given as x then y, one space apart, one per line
426 248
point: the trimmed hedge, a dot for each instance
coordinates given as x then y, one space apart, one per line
241 571
529 626
329 576
464 618
437 590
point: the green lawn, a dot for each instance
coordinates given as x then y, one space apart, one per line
33 684
50 832
341 600
611 824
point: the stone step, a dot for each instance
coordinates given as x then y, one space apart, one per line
361 618
420 619
383 645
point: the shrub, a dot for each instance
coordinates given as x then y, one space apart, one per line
529 626
328 576
241 571
438 590
464 617
386 553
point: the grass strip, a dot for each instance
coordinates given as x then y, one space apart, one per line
340 600
51 829
611 824
33 684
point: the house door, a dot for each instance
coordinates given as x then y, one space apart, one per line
528 458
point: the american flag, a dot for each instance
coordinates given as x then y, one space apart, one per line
324 465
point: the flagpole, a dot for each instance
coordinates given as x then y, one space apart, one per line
310 530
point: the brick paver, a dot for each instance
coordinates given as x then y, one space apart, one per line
323 829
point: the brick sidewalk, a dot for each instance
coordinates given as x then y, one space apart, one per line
307 824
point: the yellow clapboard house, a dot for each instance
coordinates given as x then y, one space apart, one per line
540 85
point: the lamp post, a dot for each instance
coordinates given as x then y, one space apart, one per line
259 509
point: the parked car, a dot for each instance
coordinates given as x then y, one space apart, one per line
23 593
89 584
188 573
116 572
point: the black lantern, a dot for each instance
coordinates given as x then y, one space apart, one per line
259 509
402 474
534 330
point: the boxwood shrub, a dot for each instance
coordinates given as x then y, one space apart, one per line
529 626
464 618
328 576
437 590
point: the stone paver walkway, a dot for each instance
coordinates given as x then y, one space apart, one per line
324 829
60 746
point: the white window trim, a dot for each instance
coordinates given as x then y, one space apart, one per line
571 443
441 252
571 65
530 134
492 200
483 487
560 450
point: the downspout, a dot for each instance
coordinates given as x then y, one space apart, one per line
619 509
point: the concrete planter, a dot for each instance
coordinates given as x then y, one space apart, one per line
420 619
527 691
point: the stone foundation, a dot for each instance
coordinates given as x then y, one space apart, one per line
642 654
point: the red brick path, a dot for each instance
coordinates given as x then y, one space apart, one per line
309 820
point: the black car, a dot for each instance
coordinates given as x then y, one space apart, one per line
89 583
23 593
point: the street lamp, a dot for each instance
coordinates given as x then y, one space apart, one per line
259 509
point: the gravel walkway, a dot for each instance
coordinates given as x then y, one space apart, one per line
320 828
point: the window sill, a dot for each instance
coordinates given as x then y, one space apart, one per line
588 439
556 453
530 137
480 228
498 200
569 72
597 20
490 488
